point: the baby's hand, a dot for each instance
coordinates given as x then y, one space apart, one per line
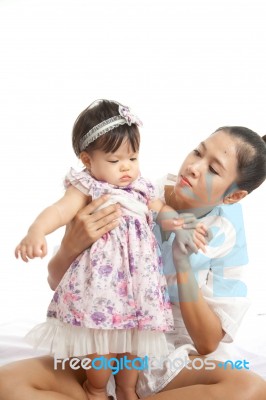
171 220
196 232
33 245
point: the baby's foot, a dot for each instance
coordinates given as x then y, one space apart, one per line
94 394
126 394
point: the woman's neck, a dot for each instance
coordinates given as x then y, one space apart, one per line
181 205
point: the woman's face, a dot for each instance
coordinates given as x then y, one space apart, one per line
207 173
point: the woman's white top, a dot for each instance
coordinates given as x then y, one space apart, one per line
219 275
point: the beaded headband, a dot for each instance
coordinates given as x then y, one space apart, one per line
124 117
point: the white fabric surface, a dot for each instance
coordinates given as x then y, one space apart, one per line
249 344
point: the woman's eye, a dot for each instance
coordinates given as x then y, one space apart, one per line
196 152
213 171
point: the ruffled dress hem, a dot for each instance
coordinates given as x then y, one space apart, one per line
64 340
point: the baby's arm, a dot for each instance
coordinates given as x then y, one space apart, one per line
167 218
52 218
170 220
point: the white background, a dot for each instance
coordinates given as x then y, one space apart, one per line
185 67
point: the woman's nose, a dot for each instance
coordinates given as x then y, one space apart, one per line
193 170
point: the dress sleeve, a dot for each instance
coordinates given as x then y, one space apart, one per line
80 180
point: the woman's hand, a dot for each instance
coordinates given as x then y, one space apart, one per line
182 247
89 225
85 229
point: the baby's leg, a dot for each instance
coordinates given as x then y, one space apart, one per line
95 385
126 380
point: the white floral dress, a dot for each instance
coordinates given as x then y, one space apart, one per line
113 298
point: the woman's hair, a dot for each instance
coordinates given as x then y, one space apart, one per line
110 141
251 156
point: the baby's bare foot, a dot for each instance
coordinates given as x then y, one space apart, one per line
94 394
126 394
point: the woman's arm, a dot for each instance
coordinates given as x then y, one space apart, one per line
202 324
86 228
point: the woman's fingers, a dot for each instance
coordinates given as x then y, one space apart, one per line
104 215
107 227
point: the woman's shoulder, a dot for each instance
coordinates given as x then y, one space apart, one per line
228 212
163 184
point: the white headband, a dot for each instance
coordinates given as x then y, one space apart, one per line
125 117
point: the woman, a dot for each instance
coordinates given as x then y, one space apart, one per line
222 170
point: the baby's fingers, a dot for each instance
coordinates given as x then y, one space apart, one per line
200 241
190 224
171 224
23 253
17 251
44 250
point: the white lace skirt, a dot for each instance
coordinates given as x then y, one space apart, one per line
64 340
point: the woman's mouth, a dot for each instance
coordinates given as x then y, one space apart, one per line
184 181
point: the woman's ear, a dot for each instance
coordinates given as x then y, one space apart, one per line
235 197
86 160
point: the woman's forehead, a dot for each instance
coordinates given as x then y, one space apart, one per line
222 143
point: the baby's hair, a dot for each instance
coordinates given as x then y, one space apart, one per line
251 156
110 141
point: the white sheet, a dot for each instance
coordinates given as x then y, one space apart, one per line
250 343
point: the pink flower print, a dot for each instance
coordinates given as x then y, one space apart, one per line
144 322
122 289
138 229
98 317
56 297
69 297
109 309
132 266
105 270
129 325
78 315
131 303
120 275
117 319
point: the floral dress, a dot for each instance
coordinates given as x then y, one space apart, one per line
113 298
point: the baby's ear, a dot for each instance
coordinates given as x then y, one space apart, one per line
85 158
235 196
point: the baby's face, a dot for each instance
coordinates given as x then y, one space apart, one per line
119 168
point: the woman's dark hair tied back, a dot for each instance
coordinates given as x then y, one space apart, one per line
251 156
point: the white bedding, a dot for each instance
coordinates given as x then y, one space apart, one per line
250 343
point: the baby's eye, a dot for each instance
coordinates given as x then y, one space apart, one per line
133 159
113 162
